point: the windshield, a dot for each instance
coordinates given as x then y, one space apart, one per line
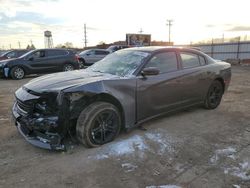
121 63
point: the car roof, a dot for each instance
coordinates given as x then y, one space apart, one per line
152 49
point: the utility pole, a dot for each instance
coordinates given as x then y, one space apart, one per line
19 44
141 31
85 36
31 42
10 46
169 24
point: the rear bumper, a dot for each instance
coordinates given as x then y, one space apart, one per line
49 141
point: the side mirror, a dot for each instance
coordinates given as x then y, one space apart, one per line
87 54
31 58
148 71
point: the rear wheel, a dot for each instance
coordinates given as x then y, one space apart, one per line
99 123
214 95
68 67
82 63
17 73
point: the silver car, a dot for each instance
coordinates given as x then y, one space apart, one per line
89 57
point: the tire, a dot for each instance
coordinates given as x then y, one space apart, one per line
98 124
82 63
214 95
68 67
17 73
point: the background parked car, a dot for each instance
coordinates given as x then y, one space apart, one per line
114 48
89 57
13 54
39 61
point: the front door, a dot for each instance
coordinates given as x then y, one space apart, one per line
160 93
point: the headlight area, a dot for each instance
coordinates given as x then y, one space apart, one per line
45 115
38 121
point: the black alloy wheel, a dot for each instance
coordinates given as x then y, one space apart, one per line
98 124
214 95
104 127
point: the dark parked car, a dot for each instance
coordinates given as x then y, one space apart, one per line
12 54
119 92
39 61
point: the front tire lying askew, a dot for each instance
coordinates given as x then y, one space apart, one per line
99 123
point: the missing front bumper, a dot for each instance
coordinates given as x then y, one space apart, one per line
51 141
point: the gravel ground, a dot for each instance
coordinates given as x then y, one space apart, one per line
196 148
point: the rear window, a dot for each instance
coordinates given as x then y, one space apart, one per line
189 60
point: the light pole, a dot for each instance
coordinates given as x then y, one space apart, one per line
169 24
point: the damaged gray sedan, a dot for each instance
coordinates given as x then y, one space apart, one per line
119 92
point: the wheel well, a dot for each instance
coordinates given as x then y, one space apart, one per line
84 102
81 59
222 83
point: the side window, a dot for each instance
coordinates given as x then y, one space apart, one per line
202 60
11 55
189 60
52 53
165 62
100 52
39 54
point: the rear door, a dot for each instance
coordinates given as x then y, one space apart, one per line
57 59
163 92
194 78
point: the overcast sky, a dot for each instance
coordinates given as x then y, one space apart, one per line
110 20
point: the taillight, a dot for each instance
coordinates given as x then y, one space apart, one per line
76 57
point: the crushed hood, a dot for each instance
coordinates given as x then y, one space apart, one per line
64 80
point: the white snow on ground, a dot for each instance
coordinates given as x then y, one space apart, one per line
161 140
129 167
236 186
242 171
228 152
136 145
123 147
163 186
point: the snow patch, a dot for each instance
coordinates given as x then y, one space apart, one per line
242 171
163 186
228 152
161 140
136 145
236 186
128 146
129 167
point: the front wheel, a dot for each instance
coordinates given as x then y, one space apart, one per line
99 123
214 95
17 73
68 67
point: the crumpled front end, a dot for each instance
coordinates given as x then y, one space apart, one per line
37 119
